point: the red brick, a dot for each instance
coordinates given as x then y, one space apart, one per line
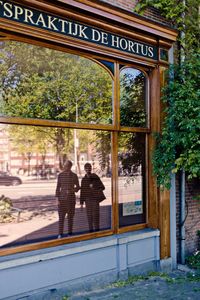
129 5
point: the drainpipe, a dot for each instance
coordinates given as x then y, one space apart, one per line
182 175
182 217
173 241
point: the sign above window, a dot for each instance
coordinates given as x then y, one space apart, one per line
70 28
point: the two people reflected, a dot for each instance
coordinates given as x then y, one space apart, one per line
91 195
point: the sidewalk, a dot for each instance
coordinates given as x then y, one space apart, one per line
170 287
177 285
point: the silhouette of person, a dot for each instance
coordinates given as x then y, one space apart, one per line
67 186
91 194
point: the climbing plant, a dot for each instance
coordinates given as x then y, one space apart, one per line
182 14
178 146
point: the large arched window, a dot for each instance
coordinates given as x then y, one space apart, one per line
57 106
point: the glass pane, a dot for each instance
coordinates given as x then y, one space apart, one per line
32 161
131 179
38 82
133 106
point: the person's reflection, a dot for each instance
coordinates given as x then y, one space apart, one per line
67 186
91 194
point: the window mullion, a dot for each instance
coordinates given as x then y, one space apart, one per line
116 104
115 210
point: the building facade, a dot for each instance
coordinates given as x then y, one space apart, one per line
81 81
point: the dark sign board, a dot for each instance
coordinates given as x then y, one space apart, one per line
36 18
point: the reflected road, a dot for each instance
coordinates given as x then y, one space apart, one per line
127 192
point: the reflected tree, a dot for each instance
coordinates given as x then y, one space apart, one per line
103 148
37 82
29 140
132 98
132 154
44 83
132 114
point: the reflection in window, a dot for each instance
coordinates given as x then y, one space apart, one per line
38 82
133 98
31 159
131 179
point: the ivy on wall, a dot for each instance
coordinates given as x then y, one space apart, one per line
178 146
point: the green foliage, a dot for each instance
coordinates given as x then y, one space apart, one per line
171 9
5 208
130 280
194 277
132 154
132 114
184 15
133 279
178 147
103 148
194 260
132 98
49 84
42 83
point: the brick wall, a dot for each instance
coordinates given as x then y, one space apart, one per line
129 5
192 222
193 218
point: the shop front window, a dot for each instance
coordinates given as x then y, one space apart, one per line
63 154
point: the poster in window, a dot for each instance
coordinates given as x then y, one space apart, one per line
132 208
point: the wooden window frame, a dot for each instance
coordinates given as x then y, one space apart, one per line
115 128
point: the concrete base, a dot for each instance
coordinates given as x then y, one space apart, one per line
143 269
79 266
68 288
166 265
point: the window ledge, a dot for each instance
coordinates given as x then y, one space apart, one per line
75 248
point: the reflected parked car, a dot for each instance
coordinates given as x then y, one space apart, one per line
7 179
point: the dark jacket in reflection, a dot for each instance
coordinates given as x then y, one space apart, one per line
92 194
67 186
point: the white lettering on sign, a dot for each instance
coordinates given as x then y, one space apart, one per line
51 23
99 36
28 14
8 12
18 13
41 21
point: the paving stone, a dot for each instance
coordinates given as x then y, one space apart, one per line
173 286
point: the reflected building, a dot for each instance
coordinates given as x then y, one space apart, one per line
26 163
5 160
